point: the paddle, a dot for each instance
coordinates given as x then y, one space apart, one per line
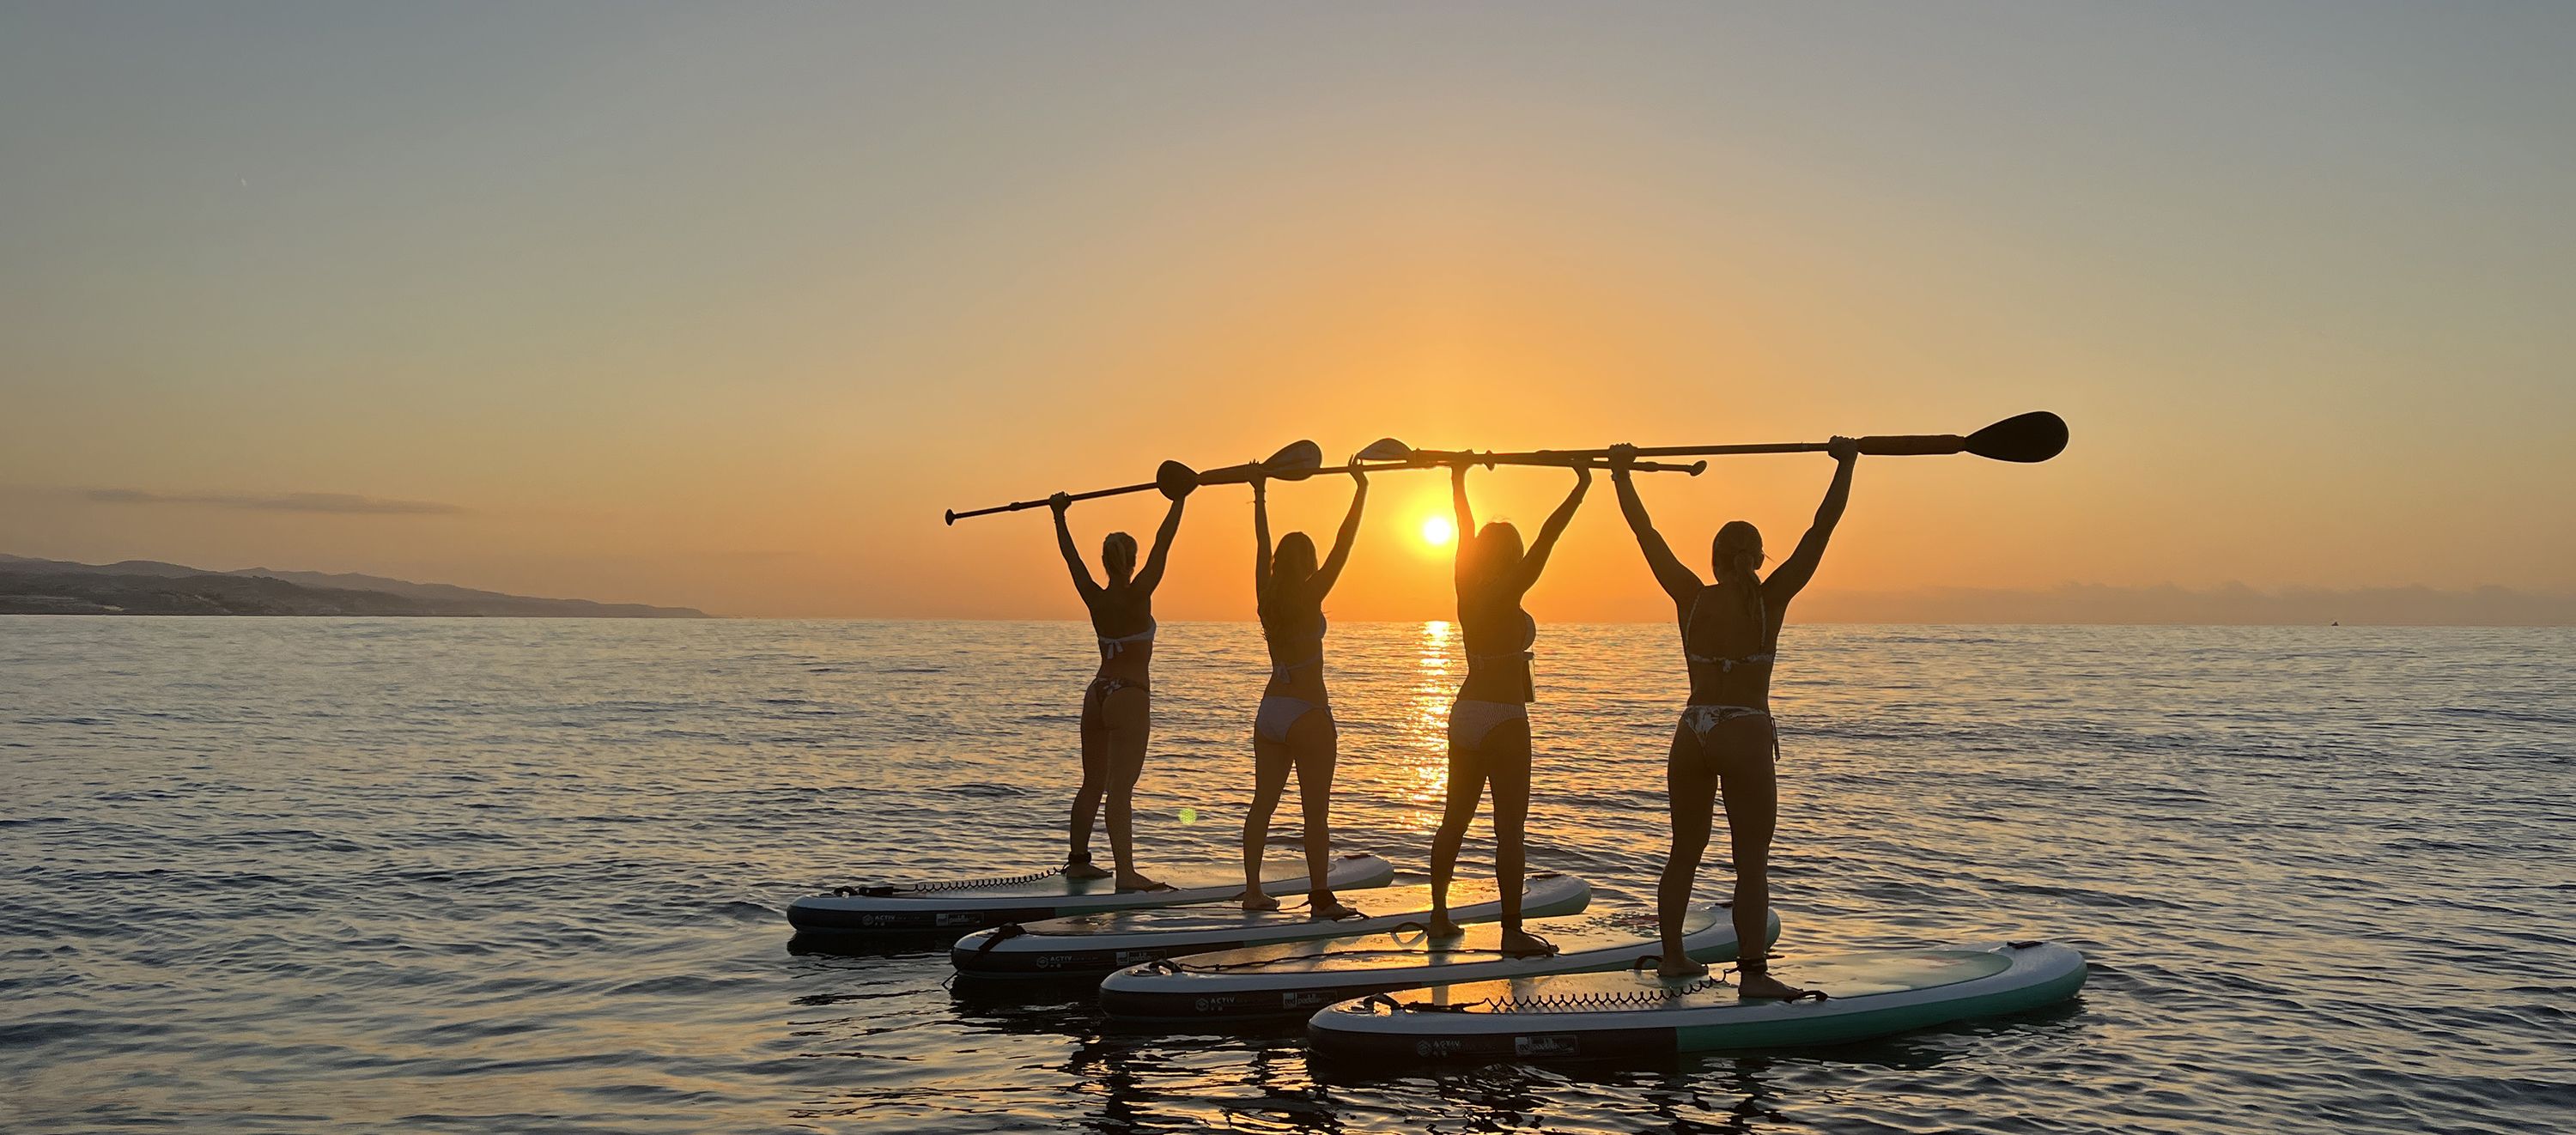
1173 478
2024 438
1294 462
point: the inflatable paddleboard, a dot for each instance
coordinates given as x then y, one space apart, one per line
1631 1014
1300 977
1040 895
1099 943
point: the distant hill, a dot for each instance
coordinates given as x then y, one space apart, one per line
150 587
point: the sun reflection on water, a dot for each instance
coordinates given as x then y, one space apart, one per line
1421 776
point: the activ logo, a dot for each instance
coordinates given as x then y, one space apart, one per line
1214 1004
1438 1046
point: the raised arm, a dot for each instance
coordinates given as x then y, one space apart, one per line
1331 571
1464 557
1535 560
1260 538
1152 576
1793 573
1082 581
1678 581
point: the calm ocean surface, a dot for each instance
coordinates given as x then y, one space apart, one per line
486 875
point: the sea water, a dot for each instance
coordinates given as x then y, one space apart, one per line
490 875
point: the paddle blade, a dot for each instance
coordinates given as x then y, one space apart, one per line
2026 438
1295 462
1386 449
1175 479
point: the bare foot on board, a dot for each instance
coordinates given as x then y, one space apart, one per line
1523 944
1764 987
1323 907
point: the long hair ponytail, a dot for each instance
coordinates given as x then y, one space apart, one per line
1734 542
1297 550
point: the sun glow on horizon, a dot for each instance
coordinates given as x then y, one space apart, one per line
1437 530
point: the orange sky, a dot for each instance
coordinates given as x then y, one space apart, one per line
722 309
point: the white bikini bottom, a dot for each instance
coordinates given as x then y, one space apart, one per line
1470 721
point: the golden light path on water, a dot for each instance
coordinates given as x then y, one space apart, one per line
1421 777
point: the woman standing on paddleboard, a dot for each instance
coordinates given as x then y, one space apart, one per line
1726 739
1117 707
1293 729
1489 737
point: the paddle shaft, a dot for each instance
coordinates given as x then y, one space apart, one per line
1429 459
1016 506
1885 445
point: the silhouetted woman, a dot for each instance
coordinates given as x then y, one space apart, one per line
1489 738
1293 729
1117 707
1726 740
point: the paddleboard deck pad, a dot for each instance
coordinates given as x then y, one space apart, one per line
1301 977
969 904
1634 1015
1099 943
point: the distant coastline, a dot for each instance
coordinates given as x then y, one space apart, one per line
151 587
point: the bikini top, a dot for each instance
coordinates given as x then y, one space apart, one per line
1279 671
1110 647
1529 638
1691 621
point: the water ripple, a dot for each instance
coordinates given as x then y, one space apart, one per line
496 875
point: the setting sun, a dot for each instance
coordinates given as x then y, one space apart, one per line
1436 530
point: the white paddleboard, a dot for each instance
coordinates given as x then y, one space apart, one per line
1300 977
1099 943
1041 895
1633 1015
